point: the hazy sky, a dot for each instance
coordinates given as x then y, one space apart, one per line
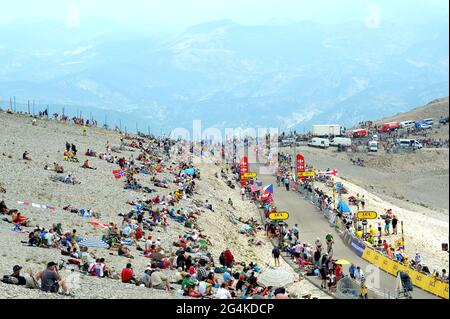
188 12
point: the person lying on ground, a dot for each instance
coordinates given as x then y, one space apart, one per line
124 251
208 206
58 168
18 218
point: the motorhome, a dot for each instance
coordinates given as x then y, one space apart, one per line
409 144
372 146
344 141
319 142
408 124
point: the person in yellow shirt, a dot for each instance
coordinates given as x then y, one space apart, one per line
359 234
363 290
372 231
177 196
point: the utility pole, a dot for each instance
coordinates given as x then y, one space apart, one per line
14 104
10 103
48 110
29 111
33 107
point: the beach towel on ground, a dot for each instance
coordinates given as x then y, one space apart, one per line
98 225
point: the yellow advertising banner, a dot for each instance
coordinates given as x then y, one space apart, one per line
249 175
367 215
279 216
306 174
418 279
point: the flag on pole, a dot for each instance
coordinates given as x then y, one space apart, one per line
267 197
332 172
268 189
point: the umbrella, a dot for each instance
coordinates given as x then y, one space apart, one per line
276 278
342 262
343 207
93 243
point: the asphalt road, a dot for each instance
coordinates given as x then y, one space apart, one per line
313 225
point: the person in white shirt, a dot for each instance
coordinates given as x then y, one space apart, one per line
148 243
223 292
358 273
202 288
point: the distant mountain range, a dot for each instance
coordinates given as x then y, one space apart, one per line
287 75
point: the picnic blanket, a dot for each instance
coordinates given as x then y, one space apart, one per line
126 242
189 171
44 206
98 225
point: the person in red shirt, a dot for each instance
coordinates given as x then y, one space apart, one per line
127 275
337 272
229 258
138 233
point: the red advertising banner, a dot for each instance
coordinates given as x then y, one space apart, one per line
244 169
300 165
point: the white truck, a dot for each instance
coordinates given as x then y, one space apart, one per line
408 124
319 142
344 141
326 130
409 144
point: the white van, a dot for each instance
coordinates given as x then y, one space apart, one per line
408 124
412 144
372 146
319 142
344 141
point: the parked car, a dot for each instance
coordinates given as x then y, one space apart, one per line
443 120
372 146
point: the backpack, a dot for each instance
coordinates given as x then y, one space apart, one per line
10 280
222 259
